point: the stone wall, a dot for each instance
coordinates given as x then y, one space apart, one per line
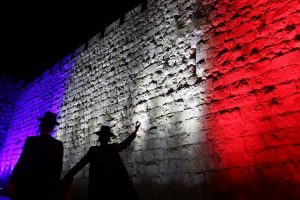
32 101
142 70
251 57
9 90
214 83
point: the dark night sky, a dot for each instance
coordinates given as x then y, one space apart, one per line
35 36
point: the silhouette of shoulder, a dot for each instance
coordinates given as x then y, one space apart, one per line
35 140
30 138
57 141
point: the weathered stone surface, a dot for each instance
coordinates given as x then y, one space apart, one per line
214 84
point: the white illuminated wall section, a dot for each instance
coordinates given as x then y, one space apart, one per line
144 70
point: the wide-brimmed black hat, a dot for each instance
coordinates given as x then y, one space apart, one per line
105 131
49 118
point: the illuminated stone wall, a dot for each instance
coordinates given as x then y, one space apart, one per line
9 90
250 52
143 69
214 83
44 94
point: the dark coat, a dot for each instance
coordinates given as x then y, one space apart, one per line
38 170
108 177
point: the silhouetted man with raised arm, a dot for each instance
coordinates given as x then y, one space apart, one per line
37 173
108 177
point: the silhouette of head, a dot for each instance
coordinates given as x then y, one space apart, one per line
105 134
48 121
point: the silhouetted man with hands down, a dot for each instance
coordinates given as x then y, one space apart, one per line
108 177
37 173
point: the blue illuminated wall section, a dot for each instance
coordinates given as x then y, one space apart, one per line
9 90
46 93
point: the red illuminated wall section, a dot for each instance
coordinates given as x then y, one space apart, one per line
252 65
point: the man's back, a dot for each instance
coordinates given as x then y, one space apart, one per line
38 170
44 158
